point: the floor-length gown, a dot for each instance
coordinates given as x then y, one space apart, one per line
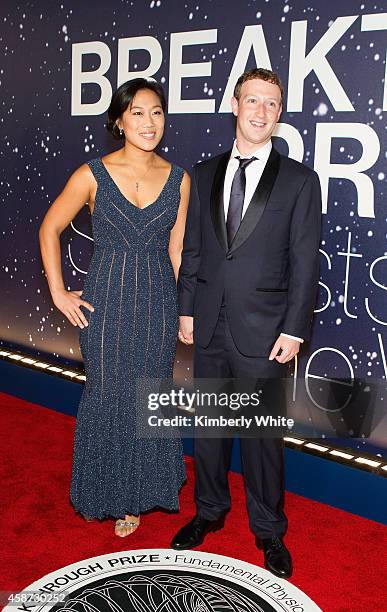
131 334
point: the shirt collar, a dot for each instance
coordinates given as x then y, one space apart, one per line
262 153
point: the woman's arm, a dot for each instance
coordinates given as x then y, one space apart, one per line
79 189
177 233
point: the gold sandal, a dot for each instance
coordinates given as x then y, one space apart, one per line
122 525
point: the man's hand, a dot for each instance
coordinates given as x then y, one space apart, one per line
284 349
186 330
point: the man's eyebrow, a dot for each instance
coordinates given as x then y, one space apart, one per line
257 96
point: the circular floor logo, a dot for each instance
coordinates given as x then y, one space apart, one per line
160 580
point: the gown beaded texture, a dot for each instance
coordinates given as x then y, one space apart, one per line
132 334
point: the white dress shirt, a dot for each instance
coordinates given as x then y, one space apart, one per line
253 173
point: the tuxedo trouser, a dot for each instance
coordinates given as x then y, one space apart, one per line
262 458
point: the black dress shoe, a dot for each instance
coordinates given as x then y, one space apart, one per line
277 557
194 532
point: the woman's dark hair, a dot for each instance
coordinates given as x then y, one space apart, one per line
124 96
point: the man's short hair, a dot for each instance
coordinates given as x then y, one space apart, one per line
258 73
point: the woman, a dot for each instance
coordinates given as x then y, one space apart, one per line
129 324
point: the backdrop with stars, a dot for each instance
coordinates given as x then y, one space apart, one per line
44 139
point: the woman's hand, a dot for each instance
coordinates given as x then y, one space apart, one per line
186 325
69 302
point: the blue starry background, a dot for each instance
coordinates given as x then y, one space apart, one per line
42 144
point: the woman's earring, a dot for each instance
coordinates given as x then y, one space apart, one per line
121 132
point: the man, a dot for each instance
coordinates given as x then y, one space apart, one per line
247 288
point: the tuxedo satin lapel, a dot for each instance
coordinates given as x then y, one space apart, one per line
216 205
258 201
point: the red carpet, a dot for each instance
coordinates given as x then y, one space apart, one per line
339 558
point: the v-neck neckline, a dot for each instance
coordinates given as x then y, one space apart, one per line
125 198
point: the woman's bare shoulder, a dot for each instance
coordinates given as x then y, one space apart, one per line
82 178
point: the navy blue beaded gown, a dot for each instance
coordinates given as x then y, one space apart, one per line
131 334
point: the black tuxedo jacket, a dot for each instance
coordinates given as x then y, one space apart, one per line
269 274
